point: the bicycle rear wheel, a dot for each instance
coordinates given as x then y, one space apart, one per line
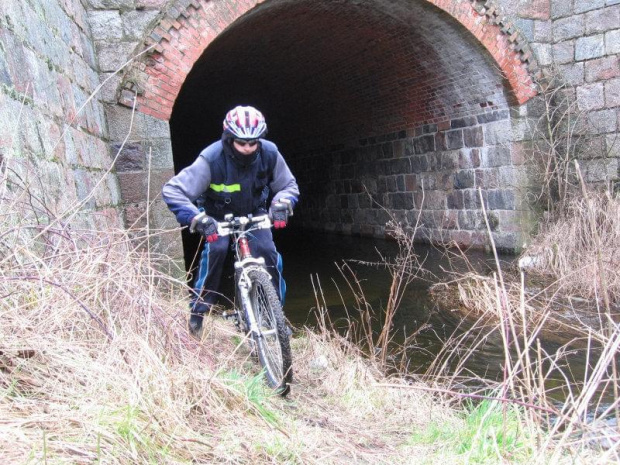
274 349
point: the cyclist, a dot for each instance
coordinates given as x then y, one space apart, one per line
236 174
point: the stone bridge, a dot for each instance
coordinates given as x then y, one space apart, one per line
414 109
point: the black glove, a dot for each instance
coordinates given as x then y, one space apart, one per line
279 213
205 226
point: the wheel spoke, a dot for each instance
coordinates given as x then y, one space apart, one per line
272 338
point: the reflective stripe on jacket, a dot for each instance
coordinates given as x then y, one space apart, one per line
237 188
213 173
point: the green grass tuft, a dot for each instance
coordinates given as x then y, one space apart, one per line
489 433
254 391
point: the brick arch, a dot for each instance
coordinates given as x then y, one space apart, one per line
191 25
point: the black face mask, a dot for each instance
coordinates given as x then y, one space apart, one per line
229 149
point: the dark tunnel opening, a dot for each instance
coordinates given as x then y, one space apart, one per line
363 99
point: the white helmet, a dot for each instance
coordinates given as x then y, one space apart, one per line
245 123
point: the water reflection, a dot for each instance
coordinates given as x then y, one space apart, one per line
310 255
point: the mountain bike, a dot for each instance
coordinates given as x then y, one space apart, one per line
258 311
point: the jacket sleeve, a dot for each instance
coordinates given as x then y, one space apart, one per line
183 189
284 185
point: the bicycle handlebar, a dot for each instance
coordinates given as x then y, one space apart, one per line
242 223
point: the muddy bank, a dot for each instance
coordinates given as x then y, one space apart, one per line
562 320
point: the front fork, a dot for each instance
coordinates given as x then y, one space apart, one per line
245 304
244 263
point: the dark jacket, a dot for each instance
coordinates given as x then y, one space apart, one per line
223 182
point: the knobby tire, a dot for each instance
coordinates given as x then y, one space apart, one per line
274 349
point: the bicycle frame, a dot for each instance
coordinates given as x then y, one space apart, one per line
259 311
238 228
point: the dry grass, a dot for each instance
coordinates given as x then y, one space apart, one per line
524 422
569 297
565 291
96 366
581 247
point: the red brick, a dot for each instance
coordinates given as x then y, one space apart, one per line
188 36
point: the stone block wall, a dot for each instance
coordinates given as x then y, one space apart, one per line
139 141
428 176
577 43
52 127
586 50
54 54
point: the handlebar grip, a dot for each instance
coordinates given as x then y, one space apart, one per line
225 228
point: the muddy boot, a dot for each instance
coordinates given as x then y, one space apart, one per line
195 325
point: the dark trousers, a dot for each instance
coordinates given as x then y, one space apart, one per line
207 282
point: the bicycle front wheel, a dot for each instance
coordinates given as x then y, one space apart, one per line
272 339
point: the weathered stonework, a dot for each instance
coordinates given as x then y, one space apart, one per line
50 127
434 100
428 177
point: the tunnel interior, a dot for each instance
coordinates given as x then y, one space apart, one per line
369 102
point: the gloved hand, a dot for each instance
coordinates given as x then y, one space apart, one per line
279 213
205 226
